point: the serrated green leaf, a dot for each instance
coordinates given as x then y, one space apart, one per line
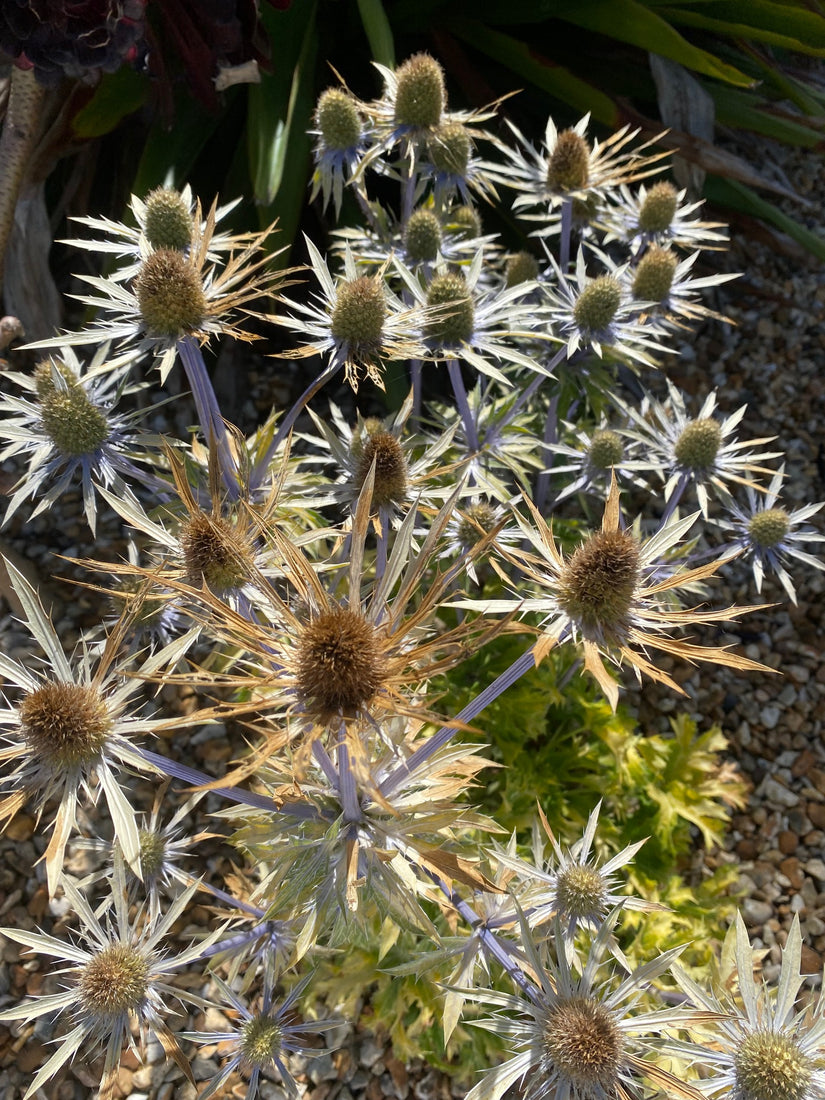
542 72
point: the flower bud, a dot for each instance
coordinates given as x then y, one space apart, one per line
770 1065
420 95
422 237
478 515
658 208
168 220
769 527
654 275
336 116
569 167
597 304
450 148
359 314
454 321
606 449
464 221
522 267
75 425
698 443
261 1039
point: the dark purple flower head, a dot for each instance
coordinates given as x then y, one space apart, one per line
79 39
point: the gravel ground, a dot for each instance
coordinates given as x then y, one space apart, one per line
774 359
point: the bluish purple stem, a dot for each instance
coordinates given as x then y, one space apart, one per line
467 418
492 944
347 790
258 472
192 776
209 414
517 669
415 382
550 435
675 497
566 234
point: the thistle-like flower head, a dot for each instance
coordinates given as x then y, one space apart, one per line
115 977
756 1045
615 595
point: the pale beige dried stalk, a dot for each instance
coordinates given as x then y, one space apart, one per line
17 140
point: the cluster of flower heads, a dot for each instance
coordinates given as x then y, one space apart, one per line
318 574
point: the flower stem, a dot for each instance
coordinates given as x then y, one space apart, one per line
566 234
258 471
470 428
209 413
517 669
550 436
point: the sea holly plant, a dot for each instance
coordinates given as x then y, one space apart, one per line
324 583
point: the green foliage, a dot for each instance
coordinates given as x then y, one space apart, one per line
404 998
563 747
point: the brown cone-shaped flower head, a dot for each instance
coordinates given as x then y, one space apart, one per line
170 295
569 166
340 666
114 981
598 583
583 1043
215 552
65 725
390 485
